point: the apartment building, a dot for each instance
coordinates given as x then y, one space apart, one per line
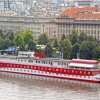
85 20
20 24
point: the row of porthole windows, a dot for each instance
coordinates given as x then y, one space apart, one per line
37 61
43 72
69 71
44 62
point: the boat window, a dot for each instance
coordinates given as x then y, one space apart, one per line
64 70
84 72
60 70
80 72
24 66
34 71
76 71
58 63
45 68
27 70
38 61
88 72
30 60
31 67
49 68
56 69
68 71
42 68
27 66
51 63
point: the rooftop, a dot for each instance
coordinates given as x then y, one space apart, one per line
86 13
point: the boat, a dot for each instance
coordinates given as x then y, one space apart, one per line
31 63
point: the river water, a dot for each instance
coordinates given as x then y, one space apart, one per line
21 87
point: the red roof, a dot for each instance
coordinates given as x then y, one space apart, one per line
86 13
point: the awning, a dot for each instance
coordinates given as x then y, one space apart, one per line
81 65
11 49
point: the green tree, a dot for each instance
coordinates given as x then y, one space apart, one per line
1 43
73 37
63 37
29 41
88 49
18 41
75 51
43 39
48 50
97 52
9 39
82 37
55 43
65 48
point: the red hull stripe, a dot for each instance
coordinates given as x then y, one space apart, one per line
94 81
68 71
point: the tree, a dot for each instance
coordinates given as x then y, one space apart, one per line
18 41
9 39
97 52
65 48
63 37
88 49
48 50
82 37
73 37
29 41
75 51
1 43
55 43
43 39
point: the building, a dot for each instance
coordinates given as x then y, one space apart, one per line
83 3
20 24
85 20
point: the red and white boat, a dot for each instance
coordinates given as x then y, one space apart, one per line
28 64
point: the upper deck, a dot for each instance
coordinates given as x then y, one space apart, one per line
29 59
84 64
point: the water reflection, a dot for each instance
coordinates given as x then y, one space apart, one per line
18 87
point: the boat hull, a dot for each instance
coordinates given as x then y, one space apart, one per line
58 77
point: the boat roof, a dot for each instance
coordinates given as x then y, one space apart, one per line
82 65
83 61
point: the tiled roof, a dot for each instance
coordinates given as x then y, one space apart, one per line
86 13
